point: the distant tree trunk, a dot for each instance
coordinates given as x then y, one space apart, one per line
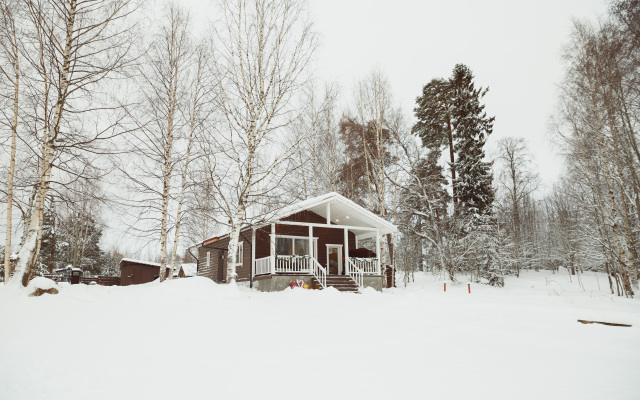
12 50
195 104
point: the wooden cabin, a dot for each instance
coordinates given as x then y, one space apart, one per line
316 241
136 272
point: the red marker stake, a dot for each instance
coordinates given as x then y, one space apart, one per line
469 286
445 286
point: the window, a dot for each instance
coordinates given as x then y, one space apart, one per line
208 259
290 245
239 254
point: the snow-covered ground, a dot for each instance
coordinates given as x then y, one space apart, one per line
193 339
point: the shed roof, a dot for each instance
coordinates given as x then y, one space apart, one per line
143 262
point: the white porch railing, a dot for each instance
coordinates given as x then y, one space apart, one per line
293 264
369 266
355 273
319 272
263 266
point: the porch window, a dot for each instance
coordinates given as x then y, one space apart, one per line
290 246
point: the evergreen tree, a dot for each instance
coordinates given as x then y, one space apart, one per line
450 114
359 140
473 188
435 125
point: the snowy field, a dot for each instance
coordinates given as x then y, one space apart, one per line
193 339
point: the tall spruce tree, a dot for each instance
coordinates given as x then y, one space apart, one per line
435 120
473 188
450 114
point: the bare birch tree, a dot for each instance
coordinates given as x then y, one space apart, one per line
77 46
517 181
373 105
10 72
260 55
195 114
166 129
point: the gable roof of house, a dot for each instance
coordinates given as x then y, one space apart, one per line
341 211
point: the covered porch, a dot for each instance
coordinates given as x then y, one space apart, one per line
321 240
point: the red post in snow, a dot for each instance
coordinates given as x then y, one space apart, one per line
469 286
445 286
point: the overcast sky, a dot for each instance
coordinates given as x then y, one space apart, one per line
513 47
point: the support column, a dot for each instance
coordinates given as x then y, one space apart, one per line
378 251
346 251
272 248
328 213
310 248
253 251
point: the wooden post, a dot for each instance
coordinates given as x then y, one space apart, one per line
378 251
310 248
328 213
272 248
346 250
253 252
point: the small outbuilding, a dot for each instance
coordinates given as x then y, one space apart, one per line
186 271
136 272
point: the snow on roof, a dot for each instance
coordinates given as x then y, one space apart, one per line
131 260
190 269
342 212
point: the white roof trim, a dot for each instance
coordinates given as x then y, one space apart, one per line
366 217
153 264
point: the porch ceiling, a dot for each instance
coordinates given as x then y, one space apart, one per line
343 212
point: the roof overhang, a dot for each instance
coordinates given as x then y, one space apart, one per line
338 210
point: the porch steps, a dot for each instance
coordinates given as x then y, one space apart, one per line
344 283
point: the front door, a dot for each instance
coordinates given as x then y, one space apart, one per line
334 259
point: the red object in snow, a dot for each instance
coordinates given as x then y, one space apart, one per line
469 286
445 286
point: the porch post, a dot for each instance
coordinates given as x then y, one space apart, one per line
346 250
328 213
357 247
272 248
253 251
310 248
378 251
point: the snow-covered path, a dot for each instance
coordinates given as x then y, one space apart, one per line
193 339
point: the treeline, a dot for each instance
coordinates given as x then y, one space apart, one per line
202 135
597 125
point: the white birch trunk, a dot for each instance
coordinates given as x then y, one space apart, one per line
12 161
27 253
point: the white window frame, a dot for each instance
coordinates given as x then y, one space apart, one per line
239 254
208 259
315 242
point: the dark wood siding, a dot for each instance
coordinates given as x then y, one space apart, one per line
217 268
218 249
325 235
132 273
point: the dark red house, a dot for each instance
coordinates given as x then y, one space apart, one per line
315 240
